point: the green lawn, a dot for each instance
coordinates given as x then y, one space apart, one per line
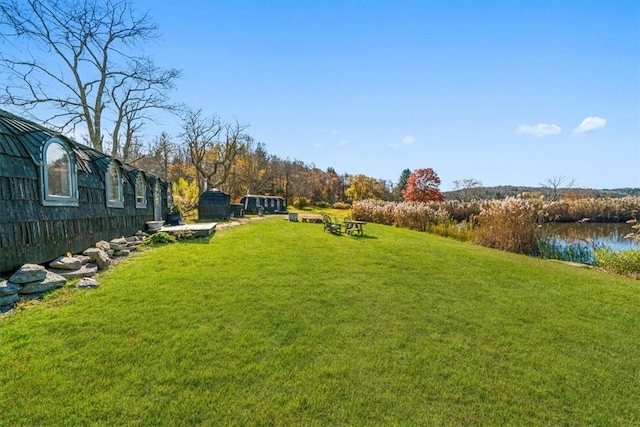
279 323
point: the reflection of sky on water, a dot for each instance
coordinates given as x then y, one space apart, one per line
606 234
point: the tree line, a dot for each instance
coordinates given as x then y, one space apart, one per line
85 68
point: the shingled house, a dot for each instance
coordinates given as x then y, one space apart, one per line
269 204
58 196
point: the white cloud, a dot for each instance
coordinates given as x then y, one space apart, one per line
407 140
540 130
589 124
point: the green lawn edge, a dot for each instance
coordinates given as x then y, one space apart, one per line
279 323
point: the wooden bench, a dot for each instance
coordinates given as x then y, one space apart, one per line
310 218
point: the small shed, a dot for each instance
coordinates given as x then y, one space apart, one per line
214 204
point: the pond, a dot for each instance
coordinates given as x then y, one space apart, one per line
600 234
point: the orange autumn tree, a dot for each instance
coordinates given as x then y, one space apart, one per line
422 186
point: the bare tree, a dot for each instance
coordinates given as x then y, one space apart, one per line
161 150
81 64
556 185
212 146
468 189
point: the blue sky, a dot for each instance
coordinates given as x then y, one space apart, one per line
508 93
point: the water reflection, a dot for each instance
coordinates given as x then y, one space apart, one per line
607 234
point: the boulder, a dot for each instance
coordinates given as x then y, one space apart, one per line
51 281
118 244
83 258
8 288
29 273
87 283
141 235
9 299
104 245
66 263
86 270
122 252
5 309
98 257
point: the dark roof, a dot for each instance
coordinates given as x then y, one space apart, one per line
23 138
264 197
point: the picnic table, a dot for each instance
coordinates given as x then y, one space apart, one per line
353 227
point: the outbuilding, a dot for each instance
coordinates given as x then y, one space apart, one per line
269 204
214 204
59 196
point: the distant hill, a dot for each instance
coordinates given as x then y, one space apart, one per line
502 191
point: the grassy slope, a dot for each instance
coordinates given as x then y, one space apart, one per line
279 323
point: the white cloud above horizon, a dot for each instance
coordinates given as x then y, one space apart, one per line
540 130
589 124
407 140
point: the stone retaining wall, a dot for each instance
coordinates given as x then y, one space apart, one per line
32 281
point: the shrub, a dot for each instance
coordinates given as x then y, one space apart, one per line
176 210
301 202
185 194
619 262
160 237
341 205
323 205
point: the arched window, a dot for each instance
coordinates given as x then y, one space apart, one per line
115 197
141 191
59 176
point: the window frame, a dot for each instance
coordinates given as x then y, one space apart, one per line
53 199
119 202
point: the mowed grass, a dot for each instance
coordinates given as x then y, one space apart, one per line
280 323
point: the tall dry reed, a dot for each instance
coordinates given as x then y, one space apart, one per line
511 224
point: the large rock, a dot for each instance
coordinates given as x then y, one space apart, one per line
118 244
121 253
8 288
98 257
9 299
83 258
87 283
29 273
104 245
66 263
51 281
87 270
